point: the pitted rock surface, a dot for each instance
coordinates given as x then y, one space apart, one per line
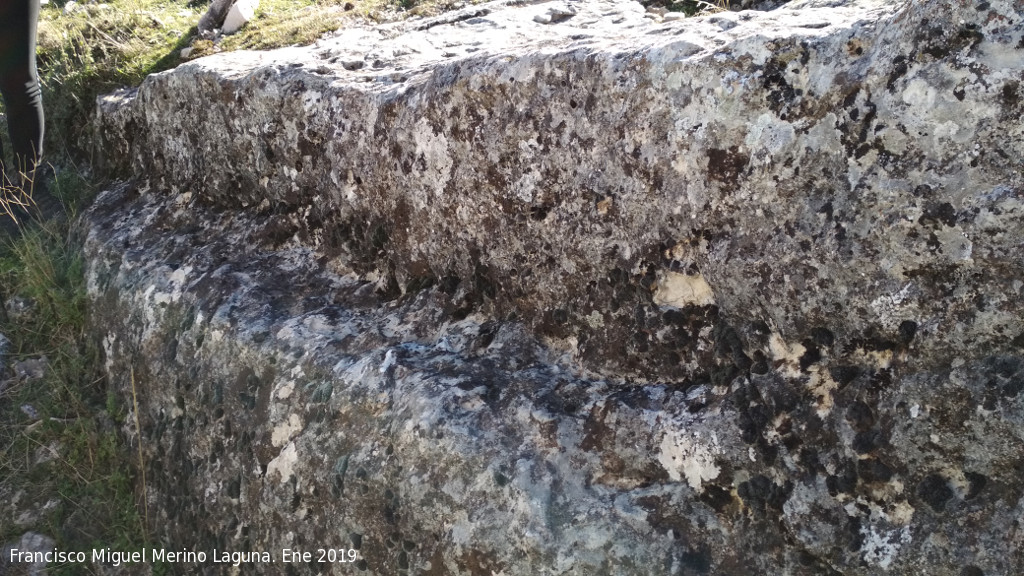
848 168
286 405
560 288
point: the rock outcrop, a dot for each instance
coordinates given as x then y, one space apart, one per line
560 288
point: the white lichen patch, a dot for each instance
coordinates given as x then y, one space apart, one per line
680 290
894 308
434 149
285 431
286 390
685 455
389 361
881 546
768 137
282 468
595 320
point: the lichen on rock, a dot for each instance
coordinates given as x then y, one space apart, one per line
738 293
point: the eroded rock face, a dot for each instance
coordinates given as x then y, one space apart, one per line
845 168
487 294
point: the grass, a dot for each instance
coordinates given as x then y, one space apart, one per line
64 466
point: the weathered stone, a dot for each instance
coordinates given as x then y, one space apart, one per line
214 17
810 165
737 294
241 12
31 368
31 543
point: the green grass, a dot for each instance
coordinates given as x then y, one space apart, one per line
95 49
64 455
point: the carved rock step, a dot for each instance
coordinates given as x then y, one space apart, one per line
852 168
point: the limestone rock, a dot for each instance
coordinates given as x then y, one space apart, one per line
213 18
226 15
241 12
733 294
808 163
29 542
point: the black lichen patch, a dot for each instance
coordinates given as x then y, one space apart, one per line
938 213
759 363
716 497
873 470
868 441
726 166
234 488
873 341
753 416
844 481
780 94
696 561
1018 341
811 355
860 416
935 491
761 494
729 346
664 517
898 70
822 336
1013 387
853 529
907 331
1010 95
843 374
976 483
939 41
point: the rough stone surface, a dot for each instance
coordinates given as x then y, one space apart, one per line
29 542
596 295
242 11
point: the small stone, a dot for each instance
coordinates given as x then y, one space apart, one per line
31 369
29 542
555 14
239 15
18 307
